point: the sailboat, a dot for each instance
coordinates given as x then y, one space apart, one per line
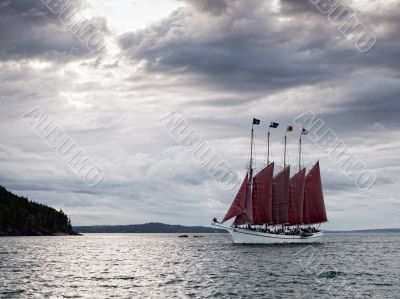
270 209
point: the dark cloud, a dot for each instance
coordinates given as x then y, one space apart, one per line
243 54
368 101
220 63
28 29
251 48
300 8
215 7
266 51
248 49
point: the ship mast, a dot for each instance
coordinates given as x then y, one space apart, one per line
289 129
284 155
251 152
272 125
268 138
300 152
303 132
255 122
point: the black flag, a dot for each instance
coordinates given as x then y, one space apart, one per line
256 121
274 125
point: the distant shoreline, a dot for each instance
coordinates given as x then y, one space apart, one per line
363 231
156 228
160 228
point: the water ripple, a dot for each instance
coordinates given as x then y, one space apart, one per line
164 266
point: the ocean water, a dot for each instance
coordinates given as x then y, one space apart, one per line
165 266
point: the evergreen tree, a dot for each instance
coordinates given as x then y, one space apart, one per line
19 216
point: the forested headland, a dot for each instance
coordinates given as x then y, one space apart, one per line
22 217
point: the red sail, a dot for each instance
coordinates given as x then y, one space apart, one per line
239 204
247 216
296 198
314 206
280 197
262 195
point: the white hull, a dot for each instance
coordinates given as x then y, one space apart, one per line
245 236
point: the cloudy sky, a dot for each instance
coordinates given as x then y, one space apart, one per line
216 62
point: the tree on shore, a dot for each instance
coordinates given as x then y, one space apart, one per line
19 216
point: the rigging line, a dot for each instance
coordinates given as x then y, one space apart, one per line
225 235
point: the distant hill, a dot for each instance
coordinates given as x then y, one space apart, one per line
382 230
147 228
21 217
166 228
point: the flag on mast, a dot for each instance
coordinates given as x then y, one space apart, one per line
274 125
256 121
304 131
